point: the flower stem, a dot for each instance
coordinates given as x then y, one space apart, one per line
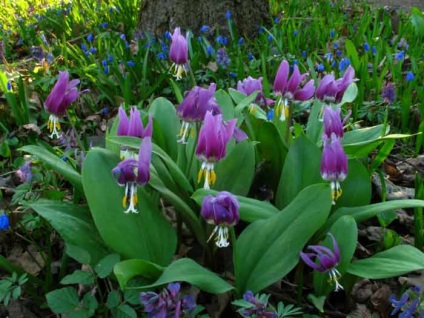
77 138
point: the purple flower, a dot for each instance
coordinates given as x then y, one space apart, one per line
250 85
324 260
389 93
333 164
221 211
62 95
4 222
212 143
405 304
132 173
168 303
194 106
133 126
24 172
288 89
330 90
222 58
333 124
178 53
258 308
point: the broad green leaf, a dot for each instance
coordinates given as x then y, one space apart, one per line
235 172
124 311
166 124
78 277
187 270
105 267
68 219
417 21
64 300
356 187
269 249
314 126
225 102
113 299
56 163
398 260
78 253
250 209
346 234
362 213
126 270
301 169
350 94
146 234
352 53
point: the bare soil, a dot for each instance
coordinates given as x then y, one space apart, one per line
404 5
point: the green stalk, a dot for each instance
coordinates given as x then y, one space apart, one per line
418 213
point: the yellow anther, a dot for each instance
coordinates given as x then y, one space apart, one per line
199 176
135 199
124 201
212 177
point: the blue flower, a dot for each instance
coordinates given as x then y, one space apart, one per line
270 114
366 47
276 20
205 28
406 303
9 86
240 41
130 63
410 76
168 35
233 75
270 38
104 25
4 222
228 14
332 33
209 50
304 54
90 37
250 56
93 50
320 67
344 63
400 56
295 32
123 37
161 56
259 307
221 40
374 50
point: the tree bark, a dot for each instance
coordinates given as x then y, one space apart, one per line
158 16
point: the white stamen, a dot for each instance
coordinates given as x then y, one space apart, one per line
334 275
53 122
132 192
184 126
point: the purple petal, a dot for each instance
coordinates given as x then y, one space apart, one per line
135 128
306 92
306 257
144 159
239 135
280 82
295 79
124 123
335 247
55 98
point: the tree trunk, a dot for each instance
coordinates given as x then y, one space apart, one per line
158 16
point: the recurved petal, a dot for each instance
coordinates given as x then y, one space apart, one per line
135 128
306 92
144 159
307 258
124 122
148 130
322 86
295 80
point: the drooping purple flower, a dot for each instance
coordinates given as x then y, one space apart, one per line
178 53
194 106
168 303
331 90
288 88
133 126
132 173
221 211
333 123
222 58
259 308
212 143
344 82
24 172
333 164
250 85
62 95
4 222
324 260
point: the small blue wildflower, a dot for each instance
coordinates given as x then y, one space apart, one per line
336 45
366 47
130 63
400 56
4 222
106 69
270 114
93 50
410 76
221 40
295 32
205 28
105 111
200 38
276 20
233 75
344 63
161 56
270 38
328 57
258 308
164 47
334 64
64 159
320 67
9 86
228 14
83 47
261 29
250 56
332 33
374 50
222 58
388 93
168 35
209 50
355 27
104 25
20 42
110 58
304 54
295 62
408 308
123 37
240 41
90 37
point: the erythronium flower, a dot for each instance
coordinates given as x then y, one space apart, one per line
212 143
168 303
194 106
62 95
178 53
333 164
250 85
325 260
221 211
331 90
332 122
132 173
288 89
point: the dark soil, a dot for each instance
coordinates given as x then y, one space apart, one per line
404 5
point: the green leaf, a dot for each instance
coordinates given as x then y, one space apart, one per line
417 21
349 95
105 267
126 270
318 302
269 249
301 169
250 209
352 53
398 260
78 277
225 102
113 299
233 176
56 163
69 219
90 303
187 270
148 234
78 253
166 124
63 301
346 234
124 311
